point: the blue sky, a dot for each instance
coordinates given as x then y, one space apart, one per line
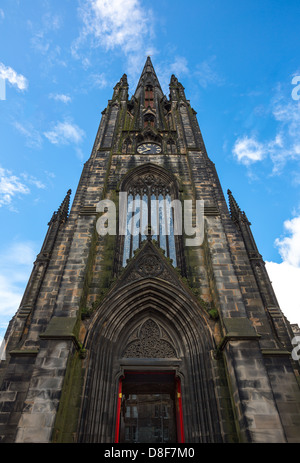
60 61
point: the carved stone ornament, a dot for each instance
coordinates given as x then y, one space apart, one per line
149 266
150 342
148 184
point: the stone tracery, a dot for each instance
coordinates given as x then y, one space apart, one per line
149 343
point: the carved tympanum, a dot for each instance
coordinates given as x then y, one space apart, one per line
150 343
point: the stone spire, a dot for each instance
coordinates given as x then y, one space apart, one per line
42 260
61 214
235 211
148 77
63 210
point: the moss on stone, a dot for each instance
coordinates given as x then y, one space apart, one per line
69 407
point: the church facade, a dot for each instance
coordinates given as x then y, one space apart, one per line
134 328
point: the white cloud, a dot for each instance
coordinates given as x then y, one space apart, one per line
16 264
284 146
288 113
288 117
49 23
248 150
116 23
10 186
2 15
18 254
179 67
50 174
33 181
15 79
52 22
289 246
64 133
79 153
98 80
122 25
33 137
10 296
43 40
61 97
286 275
39 43
206 74
285 280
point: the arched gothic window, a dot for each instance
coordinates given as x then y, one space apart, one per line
149 120
127 146
150 194
171 147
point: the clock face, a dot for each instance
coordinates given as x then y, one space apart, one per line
149 148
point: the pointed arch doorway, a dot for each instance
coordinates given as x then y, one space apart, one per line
149 395
149 325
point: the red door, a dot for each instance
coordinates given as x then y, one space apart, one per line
149 408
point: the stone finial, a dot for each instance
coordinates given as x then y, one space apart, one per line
62 213
234 208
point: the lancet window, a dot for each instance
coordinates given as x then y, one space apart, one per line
150 215
127 146
171 146
149 96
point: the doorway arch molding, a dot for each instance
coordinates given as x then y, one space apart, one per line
186 325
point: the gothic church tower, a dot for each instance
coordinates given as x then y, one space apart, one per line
142 337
